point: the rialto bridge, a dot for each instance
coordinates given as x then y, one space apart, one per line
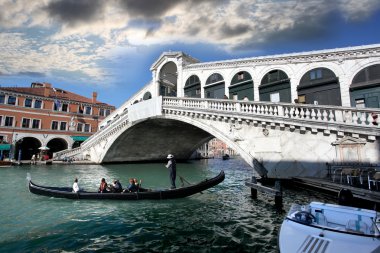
251 105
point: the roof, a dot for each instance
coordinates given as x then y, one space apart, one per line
54 93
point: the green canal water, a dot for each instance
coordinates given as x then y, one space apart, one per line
222 219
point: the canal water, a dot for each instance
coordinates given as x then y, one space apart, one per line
222 219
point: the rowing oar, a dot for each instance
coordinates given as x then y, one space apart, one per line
183 179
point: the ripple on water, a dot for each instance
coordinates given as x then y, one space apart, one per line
222 219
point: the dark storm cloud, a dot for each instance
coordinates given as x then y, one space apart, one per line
305 28
148 8
232 31
76 11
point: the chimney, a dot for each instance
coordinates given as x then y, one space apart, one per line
47 89
94 96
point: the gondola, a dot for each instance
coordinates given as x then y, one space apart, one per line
66 192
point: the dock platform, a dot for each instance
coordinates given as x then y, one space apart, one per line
328 186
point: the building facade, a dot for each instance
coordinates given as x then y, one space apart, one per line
43 117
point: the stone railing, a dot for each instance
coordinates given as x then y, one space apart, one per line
67 153
330 117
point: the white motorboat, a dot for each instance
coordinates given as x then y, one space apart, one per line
328 228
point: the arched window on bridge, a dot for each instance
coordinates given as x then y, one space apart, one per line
214 87
319 86
193 87
168 80
241 86
275 87
147 96
365 88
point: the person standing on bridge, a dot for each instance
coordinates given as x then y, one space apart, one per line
172 170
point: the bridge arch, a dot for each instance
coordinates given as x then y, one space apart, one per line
275 87
168 79
365 87
193 87
215 86
241 86
181 140
319 86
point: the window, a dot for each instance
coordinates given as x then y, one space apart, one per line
8 121
101 112
2 99
25 123
1 120
63 126
302 99
36 123
56 105
87 127
275 97
79 127
108 112
360 103
240 76
11 100
38 104
54 125
65 107
87 110
28 102
80 108
316 74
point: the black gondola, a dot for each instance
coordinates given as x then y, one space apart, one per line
66 192
225 157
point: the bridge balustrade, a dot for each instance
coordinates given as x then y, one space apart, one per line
342 115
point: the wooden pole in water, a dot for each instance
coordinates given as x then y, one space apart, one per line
253 190
278 196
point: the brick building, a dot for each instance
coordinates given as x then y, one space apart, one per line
44 116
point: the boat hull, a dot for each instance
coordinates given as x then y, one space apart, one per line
298 237
66 192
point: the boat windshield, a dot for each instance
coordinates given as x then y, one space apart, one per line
336 217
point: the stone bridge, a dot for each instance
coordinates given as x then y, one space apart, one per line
279 140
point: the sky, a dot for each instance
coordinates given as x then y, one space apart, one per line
108 46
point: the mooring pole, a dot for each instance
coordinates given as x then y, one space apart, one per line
254 190
278 196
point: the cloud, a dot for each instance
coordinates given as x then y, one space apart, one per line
72 12
148 9
31 74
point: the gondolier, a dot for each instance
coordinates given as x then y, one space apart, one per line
171 165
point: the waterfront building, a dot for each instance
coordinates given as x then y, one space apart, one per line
44 116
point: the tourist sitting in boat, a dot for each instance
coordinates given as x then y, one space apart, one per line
132 187
116 187
103 186
76 186
137 183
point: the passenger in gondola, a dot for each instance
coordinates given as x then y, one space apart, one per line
116 186
76 187
132 187
137 183
103 186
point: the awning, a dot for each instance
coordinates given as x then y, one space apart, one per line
5 146
79 138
